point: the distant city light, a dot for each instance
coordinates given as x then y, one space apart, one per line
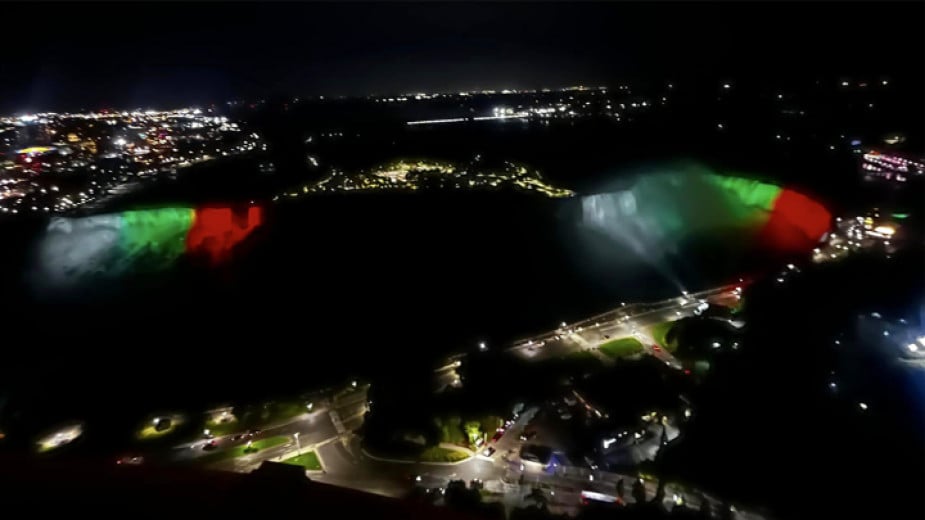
912 347
863 406
885 230
437 121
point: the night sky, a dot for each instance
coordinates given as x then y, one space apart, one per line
66 56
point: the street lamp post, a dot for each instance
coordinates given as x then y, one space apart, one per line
297 443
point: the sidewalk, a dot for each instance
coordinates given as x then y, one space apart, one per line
305 449
416 461
455 447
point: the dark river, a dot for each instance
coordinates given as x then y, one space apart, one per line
330 287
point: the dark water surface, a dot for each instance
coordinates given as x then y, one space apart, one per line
337 286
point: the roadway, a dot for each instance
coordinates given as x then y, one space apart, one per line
347 465
622 322
328 430
315 427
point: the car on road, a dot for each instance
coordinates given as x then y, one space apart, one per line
489 451
253 433
133 460
237 436
527 435
211 445
497 435
656 348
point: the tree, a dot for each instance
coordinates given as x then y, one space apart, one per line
706 509
537 495
639 491
473 431
461 498
660 491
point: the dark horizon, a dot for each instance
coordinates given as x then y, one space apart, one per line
72 56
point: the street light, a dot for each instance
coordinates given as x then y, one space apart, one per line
297 443
309 406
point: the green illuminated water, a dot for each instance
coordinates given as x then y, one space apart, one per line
157 237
